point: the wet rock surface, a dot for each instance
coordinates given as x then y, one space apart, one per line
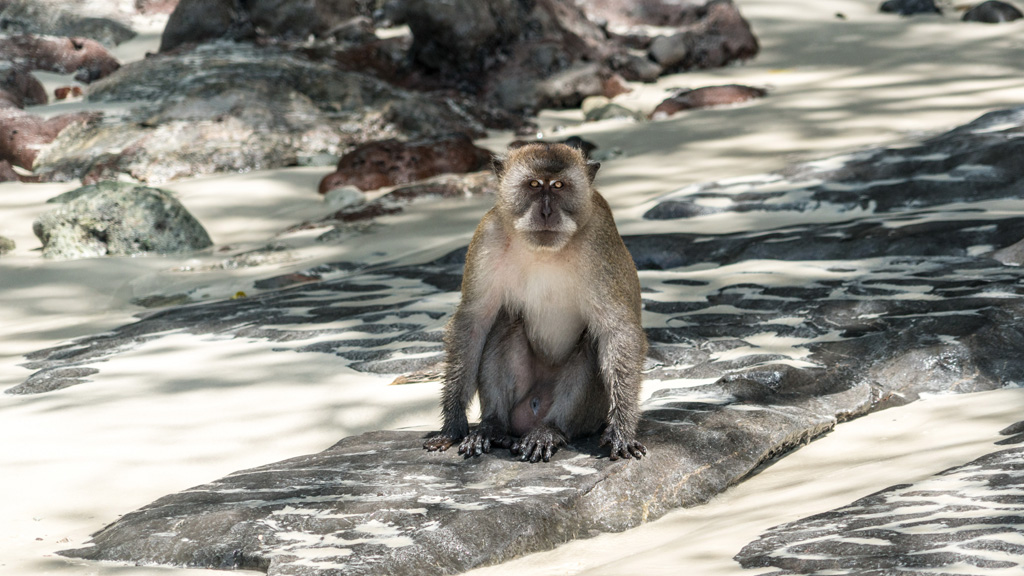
966 518
105 22
865 301
113 218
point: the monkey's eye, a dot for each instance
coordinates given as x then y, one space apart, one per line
535 184
557 184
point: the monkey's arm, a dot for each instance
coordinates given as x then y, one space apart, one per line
621 350
464 339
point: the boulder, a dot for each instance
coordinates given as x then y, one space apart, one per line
19 87
705 97
87 59
6 245
968 516
23 135
103 22
239 107
389 162
992 12
114 218
910 7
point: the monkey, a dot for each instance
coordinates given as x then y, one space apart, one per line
548 331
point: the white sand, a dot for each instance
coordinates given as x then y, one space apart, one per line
185 410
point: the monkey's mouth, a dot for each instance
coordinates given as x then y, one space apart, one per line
546 238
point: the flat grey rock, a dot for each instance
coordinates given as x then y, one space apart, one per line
380 504
970 517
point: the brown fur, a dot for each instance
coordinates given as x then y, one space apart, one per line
548 330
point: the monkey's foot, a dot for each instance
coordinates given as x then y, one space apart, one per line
482 439
539 444
622 446
439 443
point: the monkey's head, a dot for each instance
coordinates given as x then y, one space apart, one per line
545 191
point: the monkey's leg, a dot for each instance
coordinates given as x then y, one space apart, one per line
570 404
504 368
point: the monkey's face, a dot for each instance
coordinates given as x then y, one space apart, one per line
546 192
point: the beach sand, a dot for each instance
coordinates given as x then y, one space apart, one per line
182 410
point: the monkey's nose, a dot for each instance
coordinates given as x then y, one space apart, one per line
545 207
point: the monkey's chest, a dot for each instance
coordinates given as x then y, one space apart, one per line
549 304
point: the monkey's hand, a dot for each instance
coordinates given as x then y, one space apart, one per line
621 445
541 443
481 440
439 443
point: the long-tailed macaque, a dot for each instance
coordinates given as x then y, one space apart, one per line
548 330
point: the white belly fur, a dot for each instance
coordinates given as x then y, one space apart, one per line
548 299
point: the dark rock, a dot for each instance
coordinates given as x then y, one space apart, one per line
19 87
950 519
719 37
910 7
992 12
118 219
389 162
239 107
973 162
61 18
87 59
6 245
705 97
22 135
463 35
196 21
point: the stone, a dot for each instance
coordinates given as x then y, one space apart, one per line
23 135
968 517
87 59
442 186
705 97
6 245
389 162
597 108
344 197
910 7
99 21
196 21
238 107
379 504
113 218
992 12
19 87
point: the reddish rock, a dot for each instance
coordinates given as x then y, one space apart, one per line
65 92
443 186
388 162
23 134
7 173
88 59
706 97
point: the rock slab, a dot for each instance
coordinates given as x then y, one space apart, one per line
967 518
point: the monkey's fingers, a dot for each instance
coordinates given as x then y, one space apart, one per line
438 444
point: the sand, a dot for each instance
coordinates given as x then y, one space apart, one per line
182 410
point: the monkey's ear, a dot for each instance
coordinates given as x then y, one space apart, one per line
498 165
592 170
